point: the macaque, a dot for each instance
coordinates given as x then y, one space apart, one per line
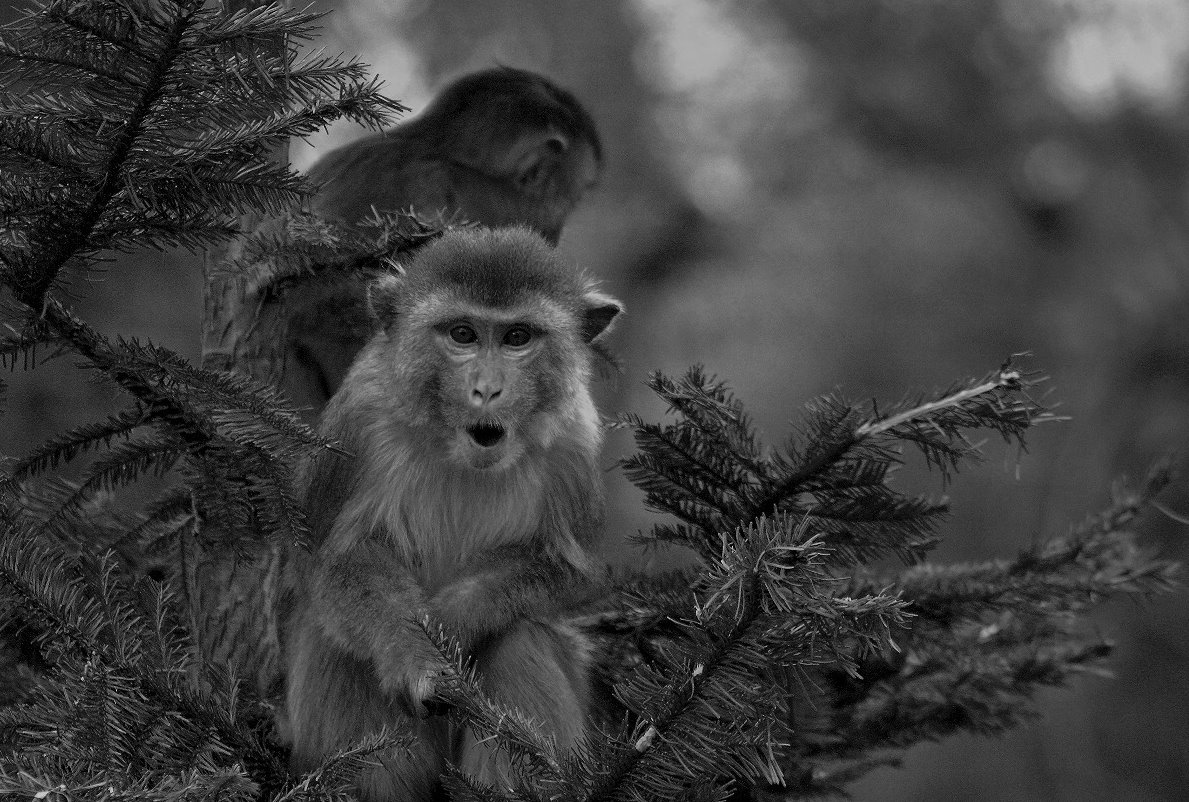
472 494
498 147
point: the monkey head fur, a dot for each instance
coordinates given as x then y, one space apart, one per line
494 336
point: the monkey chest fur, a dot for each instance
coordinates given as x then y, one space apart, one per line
436 520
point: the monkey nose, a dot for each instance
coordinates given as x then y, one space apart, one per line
483 394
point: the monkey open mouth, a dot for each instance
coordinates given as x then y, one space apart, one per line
486 433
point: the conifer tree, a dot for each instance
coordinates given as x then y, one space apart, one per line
778 666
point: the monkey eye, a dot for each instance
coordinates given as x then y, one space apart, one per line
517 336
463 335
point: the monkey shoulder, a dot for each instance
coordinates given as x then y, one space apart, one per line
379 173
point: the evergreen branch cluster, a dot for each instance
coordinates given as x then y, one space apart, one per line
838 668
231 440
121 658
125 124
129 711
300 248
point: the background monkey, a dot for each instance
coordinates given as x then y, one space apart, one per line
497 147
473 494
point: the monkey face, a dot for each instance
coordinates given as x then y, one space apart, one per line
492 388
485 348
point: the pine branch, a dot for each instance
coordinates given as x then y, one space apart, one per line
1063 575
1000 402
89 619
301 248
65 447
208 412
125 463
463 788
708 707
708 470
984 637
23 345
531 754
111 88
334 778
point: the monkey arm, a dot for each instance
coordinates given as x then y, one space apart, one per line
501 586
367 603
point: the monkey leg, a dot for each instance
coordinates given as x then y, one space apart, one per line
540 669
333 700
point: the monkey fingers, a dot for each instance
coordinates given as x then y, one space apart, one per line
413 682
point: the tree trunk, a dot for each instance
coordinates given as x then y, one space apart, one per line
232 596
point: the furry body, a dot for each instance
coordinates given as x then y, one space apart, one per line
500 147
490 536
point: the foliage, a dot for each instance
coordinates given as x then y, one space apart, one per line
782 663
123 125
887 660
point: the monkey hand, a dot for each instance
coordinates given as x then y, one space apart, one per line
412 681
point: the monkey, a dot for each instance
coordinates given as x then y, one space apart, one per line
472 495
498 147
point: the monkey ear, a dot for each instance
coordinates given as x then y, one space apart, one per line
536 157
598 315
383 297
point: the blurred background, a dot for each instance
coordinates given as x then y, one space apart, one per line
871 197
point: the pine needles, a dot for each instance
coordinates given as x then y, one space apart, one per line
125 125
834 669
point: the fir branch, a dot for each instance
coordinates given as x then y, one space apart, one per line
463 788
71 235
61 67
160 523
65 447
225 785
708 470
199 405
38 148
275 505
706 403
335 777
101 31
103 356
950 689
985 636
86 613
125 463
101 167
300 248
1000 402
22 345
708 707
530 754
1068 574
230 400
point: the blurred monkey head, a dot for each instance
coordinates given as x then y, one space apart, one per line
499 147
